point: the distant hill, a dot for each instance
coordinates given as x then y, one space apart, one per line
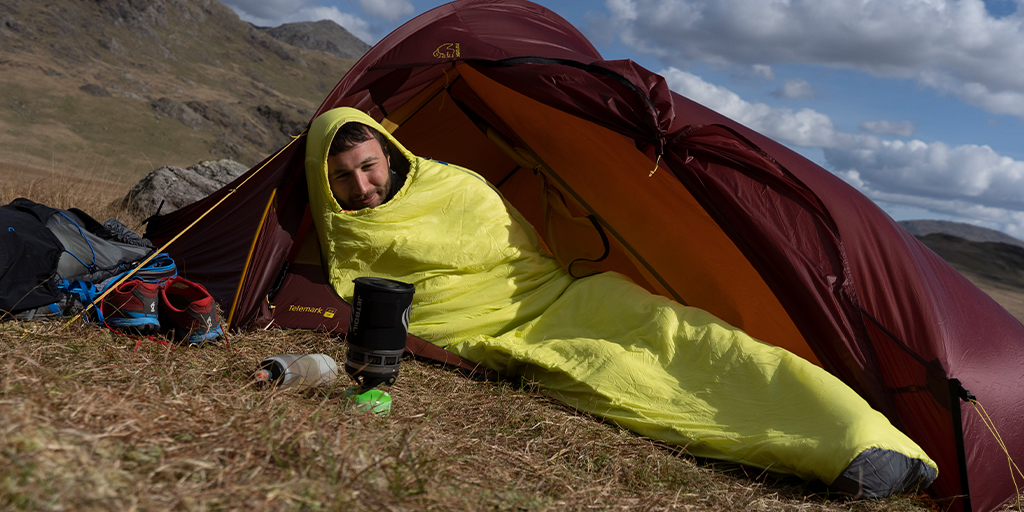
324 35
920 228
113 89
992 260
995 267
996 261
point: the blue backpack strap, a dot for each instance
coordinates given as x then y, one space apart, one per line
91 267
86 293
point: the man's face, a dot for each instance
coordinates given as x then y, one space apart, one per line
360 177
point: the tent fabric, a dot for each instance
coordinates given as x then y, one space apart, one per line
486 291
845 285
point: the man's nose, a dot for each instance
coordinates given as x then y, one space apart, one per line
363 182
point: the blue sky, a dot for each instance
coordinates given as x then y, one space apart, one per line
917 103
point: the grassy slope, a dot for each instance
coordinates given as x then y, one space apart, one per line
186 51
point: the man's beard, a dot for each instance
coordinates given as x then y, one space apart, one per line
384 192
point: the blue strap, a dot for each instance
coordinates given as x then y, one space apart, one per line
160 267
86 293
89 267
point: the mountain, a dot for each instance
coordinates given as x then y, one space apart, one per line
921 228
111 89
995 267
324 35
995 261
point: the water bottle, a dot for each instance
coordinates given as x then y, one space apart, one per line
300 371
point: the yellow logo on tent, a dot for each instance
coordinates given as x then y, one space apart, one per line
307 309
447 51
329 312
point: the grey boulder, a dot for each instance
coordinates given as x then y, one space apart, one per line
174 187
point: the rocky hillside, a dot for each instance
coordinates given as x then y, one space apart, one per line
324 35
112 89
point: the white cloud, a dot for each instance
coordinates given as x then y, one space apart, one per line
1009 221
968 173
804 127
271 13
969 182
765 72
796 88
900 129
267 12
954 46
387 9
354 24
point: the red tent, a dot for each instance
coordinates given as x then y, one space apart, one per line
729 221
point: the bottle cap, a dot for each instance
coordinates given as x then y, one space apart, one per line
269 372
374 400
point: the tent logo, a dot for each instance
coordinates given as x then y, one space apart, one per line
329 312
310 309
447 51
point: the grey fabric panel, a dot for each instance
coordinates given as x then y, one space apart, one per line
110 257
877 473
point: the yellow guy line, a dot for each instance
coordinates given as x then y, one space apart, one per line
172 240
991 426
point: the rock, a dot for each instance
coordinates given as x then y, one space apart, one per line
15 26
175 187
112 45
179 112
288 126
95 90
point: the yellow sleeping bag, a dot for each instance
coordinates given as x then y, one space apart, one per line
601 344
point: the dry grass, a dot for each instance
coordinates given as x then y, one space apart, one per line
65 187
89 423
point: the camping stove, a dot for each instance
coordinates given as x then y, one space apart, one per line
377 330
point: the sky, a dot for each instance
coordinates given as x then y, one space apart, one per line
919 104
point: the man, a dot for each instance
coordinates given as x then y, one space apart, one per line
487 291
359 168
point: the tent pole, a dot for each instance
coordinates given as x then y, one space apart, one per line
956 390
248 258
